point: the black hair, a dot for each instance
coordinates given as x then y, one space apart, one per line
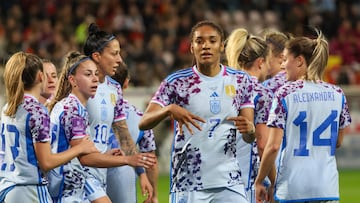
96 40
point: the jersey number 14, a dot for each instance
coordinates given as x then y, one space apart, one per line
329 122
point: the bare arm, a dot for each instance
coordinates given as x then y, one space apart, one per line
244 124
146 187
107 160
153 175
261 134
267 162
122 133
155 113
340 137
48 160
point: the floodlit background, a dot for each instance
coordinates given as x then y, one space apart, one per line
154 41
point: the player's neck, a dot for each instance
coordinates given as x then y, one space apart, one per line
209 70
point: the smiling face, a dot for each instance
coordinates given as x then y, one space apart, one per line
206 46
50 80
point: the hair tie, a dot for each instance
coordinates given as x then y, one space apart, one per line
72 68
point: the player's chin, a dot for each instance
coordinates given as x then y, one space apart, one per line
92 92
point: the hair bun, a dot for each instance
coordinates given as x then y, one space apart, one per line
93 29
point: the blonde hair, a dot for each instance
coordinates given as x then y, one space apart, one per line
234 45
20 74
277 40
315 52
63 89
242 49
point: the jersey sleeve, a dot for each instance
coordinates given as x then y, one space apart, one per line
262 105
277 114
39 124
163 95
147 141
245 91
119 111
74 124
345 118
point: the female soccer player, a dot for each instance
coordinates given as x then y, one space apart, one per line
50 82
106 113
70 123
25 152
308 116
209 103
247 52
277 76
121 181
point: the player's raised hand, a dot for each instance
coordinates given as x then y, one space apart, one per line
185 117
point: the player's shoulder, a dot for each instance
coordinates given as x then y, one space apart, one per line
111 82
233 71
289 87
33 106
330 86
179 74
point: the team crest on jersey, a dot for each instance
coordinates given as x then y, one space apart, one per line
113 99
230 90
215 104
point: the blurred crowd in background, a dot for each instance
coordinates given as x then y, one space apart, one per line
154 33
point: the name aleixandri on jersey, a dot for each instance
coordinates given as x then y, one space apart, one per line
313 97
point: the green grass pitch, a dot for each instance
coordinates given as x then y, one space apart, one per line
349 187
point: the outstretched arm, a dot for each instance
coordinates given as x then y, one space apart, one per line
155 113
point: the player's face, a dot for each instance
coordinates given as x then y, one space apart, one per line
273 62
207 46
263 70
110 58
86 79
50 80
290 64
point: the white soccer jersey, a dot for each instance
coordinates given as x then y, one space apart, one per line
206 159
104 108
311 115
276 82
69 121
121 181
144 139
247 154
18 163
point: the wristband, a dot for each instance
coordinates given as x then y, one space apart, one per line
139 170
